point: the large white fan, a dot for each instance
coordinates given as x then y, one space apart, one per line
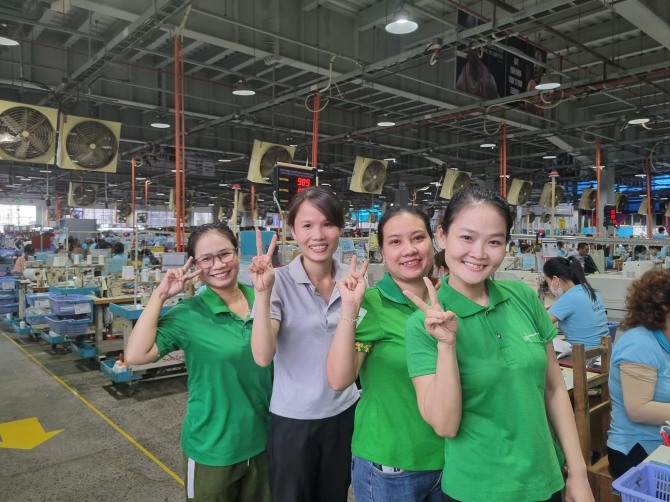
545 197
454 181
264 158
369 176
589 199
519 192
27 133
82 195
88 144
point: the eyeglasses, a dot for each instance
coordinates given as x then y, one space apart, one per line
207 261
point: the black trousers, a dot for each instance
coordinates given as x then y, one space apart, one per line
621 462
556 497
310 460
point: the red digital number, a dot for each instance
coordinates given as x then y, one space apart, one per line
304 182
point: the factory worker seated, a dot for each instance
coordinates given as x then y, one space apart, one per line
639 253
658 253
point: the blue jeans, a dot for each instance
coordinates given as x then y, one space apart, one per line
375 483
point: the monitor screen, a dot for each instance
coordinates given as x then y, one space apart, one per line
172 260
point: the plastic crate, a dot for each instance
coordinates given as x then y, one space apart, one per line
71 305
7 299
38 300
9 308
7 283
16 326
51 337
68 327
648 482
83 349
125 376
35 320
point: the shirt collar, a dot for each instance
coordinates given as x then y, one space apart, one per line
463 306
217 305
662 340
390 290
299 274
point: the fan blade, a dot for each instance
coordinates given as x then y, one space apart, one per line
11 124
39 144
20 152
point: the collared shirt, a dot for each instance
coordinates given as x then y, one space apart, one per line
227 411
389 429
503 450
581 319
306 331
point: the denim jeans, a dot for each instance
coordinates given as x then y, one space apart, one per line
372 484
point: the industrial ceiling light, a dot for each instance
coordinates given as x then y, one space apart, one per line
160 123
401 23
638 119
549 156
487 145
548 83
385 121
242 88
5 38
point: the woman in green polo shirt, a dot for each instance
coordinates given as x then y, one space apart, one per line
485 372
397 455
224 430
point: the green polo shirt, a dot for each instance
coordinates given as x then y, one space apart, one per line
229 394
503 450
389 429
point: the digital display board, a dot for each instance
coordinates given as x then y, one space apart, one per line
292 179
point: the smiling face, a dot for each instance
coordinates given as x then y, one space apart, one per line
316 235
219 276
407 248
474 247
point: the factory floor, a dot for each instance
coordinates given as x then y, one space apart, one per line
67 433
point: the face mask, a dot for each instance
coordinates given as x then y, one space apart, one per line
556 292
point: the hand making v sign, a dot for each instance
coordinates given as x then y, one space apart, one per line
174 280
352 286
439 324
261 270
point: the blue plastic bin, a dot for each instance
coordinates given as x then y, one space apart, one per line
648 482
83 349
68 327
126 376
71 305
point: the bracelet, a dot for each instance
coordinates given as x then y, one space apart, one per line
347 319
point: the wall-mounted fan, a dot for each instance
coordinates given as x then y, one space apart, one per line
519 192
190 195
82 195
264 157
224 214
530 216
546 218
643 206
454 181
589 199
545 197
369 175
123 210
27 133
244 202
88 144
620 201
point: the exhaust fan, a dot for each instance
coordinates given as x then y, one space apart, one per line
244 202
82 195
643 206
123 210
546 218
589 199
519 192
264 157
27 133
545 197
454 181
620 201
369 176
190 194
88 144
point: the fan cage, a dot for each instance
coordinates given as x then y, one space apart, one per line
91 145
32 129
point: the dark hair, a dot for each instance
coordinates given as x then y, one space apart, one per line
472 196
28 249
560 244
217 227
568 269
440 262
648 300
582 245
325 201
395 211
658 248
661 230
118 248
639 249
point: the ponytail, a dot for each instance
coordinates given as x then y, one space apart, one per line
578 277
571 269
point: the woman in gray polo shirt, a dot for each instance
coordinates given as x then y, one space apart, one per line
296 312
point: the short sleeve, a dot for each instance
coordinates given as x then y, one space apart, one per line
420 347
173 328
545 327
638 347
368 329
276 303
562 308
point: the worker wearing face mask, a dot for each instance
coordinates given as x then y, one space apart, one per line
579 310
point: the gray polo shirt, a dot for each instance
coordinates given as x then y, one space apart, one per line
308 323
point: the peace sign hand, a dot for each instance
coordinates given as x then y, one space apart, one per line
174 280
439 324
352 286
261 270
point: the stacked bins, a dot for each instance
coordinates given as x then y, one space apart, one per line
9 302
71 316
39 308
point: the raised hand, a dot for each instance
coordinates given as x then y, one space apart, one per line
439 324
261 270
174 280
352 286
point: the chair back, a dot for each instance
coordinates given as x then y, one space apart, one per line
592 412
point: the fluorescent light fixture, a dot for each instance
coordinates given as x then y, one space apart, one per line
210 204
547 83
638 121
640 175
325 184
140 178
549 157
385 121
401 24
225 160
389 159
601 167
46 171
487 145
223 184
242 88
160 193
